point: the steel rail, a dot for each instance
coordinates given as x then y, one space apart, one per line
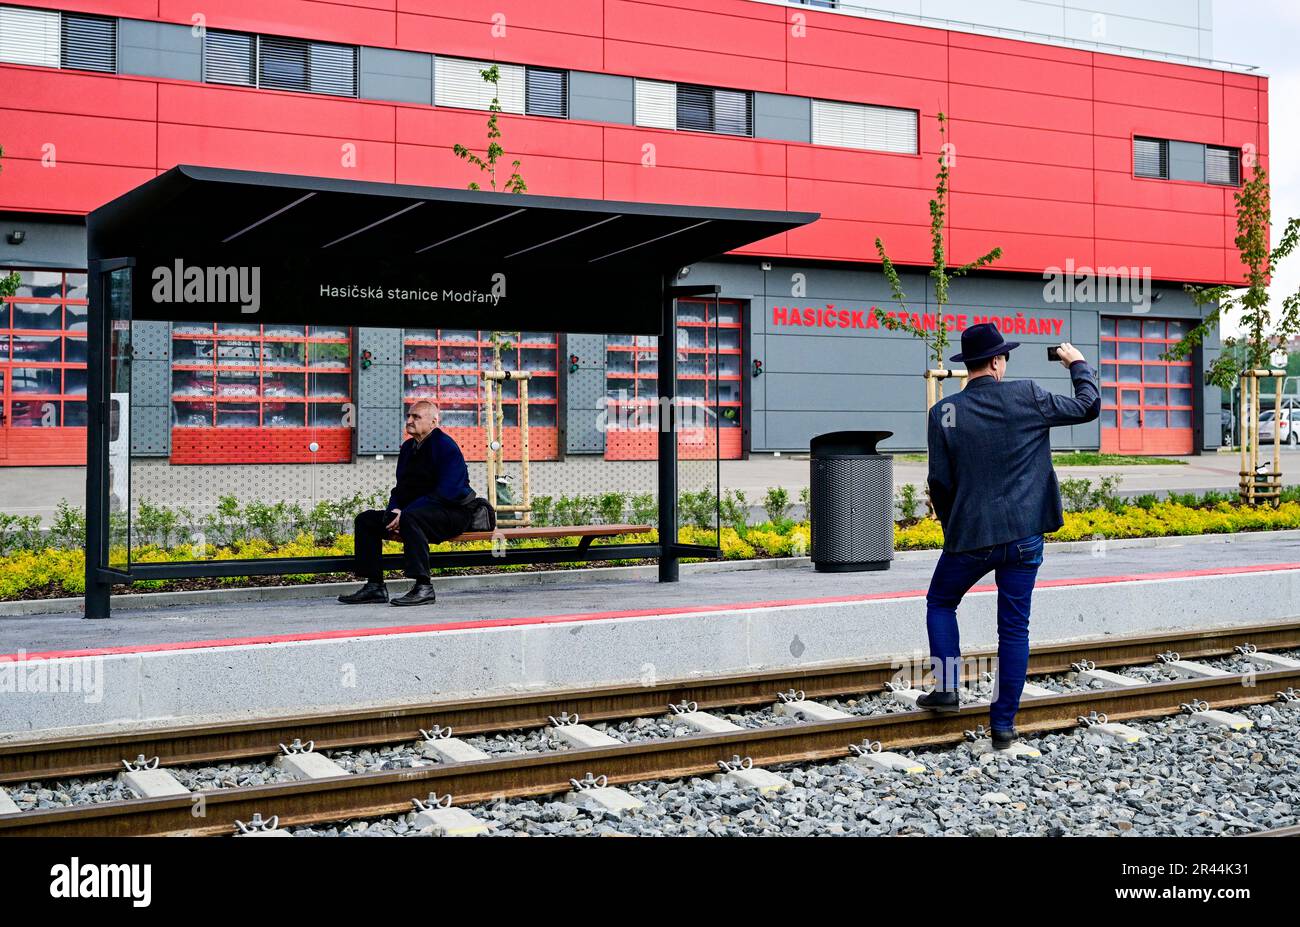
65 757
374 794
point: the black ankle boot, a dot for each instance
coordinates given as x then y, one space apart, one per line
370 592
420 594
939 701
1004 739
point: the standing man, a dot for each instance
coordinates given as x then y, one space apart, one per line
429 503
995 492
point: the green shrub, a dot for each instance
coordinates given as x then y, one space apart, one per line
155 524
611 506
735 510
19 532
777 504
68 532
645 509
543 510
225 525
909 501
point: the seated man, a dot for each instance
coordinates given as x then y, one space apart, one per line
429 503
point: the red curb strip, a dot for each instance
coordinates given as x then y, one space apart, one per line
632 613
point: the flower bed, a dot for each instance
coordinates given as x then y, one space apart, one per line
52 572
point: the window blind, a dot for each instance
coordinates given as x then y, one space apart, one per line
29 36
296 64
1150 157
459 82
733 112
1223 165
89 43
228 58
547 92
656 104
855 125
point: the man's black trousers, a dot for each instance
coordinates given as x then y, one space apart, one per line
419 528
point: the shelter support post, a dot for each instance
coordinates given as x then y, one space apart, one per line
98 589
667 382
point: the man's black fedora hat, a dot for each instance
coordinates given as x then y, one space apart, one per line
982 341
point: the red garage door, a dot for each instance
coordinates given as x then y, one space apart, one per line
43 370
1146 402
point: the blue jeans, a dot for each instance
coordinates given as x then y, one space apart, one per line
1016 566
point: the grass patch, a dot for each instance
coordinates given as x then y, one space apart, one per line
1095 459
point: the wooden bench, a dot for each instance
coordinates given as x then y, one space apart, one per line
587 533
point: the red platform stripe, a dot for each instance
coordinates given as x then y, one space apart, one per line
631 613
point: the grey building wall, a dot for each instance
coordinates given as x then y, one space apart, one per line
818 379
601 97
584 390
379 391
48 243
405 77
159 50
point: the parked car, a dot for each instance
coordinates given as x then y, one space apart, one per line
1288 424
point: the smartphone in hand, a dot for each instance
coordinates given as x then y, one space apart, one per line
1054 353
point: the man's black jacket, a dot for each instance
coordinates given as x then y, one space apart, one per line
991 477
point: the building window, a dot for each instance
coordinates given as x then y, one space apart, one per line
444 366
872 128
547 93
313 67
245 375
708 375
89 43
1223 165
459 82
29 36
1151 158
43 368
656 104
706 109
51 39
228 58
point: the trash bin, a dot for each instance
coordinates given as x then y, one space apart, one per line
851 502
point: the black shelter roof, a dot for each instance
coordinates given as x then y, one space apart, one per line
207 211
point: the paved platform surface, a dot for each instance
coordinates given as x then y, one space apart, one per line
308 618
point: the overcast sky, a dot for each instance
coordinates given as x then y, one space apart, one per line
1267 33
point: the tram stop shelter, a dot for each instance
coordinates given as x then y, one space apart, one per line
199 244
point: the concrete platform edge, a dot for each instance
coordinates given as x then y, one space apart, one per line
324 675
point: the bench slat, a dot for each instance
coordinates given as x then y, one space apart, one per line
557 531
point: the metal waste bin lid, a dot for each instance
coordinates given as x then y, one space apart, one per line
841 443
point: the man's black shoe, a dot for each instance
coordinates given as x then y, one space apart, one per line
1002 740
370 592
420 594
939 701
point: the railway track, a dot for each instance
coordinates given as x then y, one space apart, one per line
387 792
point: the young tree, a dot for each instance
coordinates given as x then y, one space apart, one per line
939 273
1246 359
487 163
494 152
1264 335
8 282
